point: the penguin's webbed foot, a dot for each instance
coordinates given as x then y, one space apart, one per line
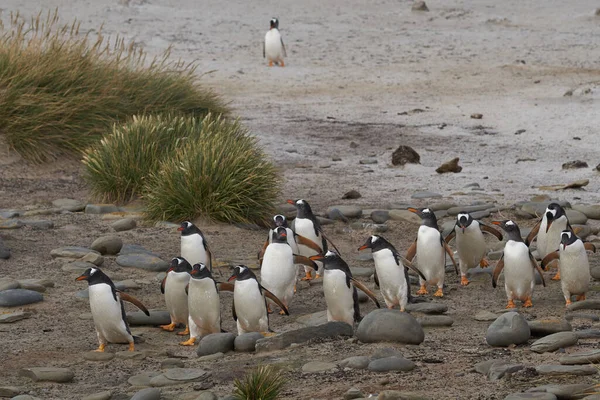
390 307
281 63
270 63
439 293
307 277
170 327
100 348
294 288
464 281
132 346
281 312
422 290
189 342
185 332
528 303
568 302
484 263
317 276
580 297
268 334
556 277
510 304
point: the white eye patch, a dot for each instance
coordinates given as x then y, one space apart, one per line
179 260
300 201
374 239
242 269
465 216
188 224
509 223
329 253
202 266
553 212
567 233
93 271
426 211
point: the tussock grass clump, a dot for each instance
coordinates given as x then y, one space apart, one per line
264 383
60 90
222 175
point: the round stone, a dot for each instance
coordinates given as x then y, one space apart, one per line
124 224
384 325
247 341
391 364
507 329
110 245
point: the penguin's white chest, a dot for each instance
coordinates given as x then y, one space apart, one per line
547 242
273 46
250 306
470 245
392 281
430 255
203 304
192 249
519 275
305 227
574 269
338 296
107 314
278 273
175 296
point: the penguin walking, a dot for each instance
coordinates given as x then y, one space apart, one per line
249 303
280 221
203 304
574 265
431 250
173 287
519 267
470 243
548 231
273 47
339 288
392 270
108 311
194 247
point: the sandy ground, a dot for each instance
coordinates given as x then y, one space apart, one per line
355 75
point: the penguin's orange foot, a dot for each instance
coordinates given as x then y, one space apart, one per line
510 304
317 276
269 311
185 332
556 277
567 302
170 327
132 346
307 277
439 293
189 342
270 63
390 307
528 303
422 290
281 312
268 334
100 348
281 63
464 281
580 297
484 263
294 288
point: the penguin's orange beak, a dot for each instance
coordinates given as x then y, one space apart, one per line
284 235
231 278
292 202
499 223
180 229
82 278
363 247
414 210
318 257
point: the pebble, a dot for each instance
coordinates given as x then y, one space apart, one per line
527 396
144 261
142 379
578 370
435 320
14 317
69 205
356 362
509 328
99 396
353 393
554 342
576 217
380 216
147 394
124 224
172 363
70 252
157 317
285 339
404 215
391 364
427 308
100 208
583 357
425 195
247 341
97 356
216 343
19 297
584 305
77 267
383 325
483 315
8 283
318 366
50 374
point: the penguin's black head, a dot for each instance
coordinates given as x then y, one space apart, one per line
428 217
274 23
302 206
553 212
94 275
567 237
199 271
375 243
463 220
241 272
280 220
187 228
179 264
511 228
331 260
280 235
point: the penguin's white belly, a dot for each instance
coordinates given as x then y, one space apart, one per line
392 281
574 269
204 306
250 307
107 315
547 242
278 273
338 297
192 249
273 46
519 276
471 247
175 296
430 255
304 227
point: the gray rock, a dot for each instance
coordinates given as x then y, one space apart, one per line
172 363
591 317
211 357
549 326
404 215
391 364
498 369
93 258
383 325
144 261
285 339
576 217
110 245
356 362
507 329
100 208
527 396
7 214
380 216
147 394
318 366
564 392
481 214
314 319
157 317
19 297
385 352
69 205
425 195
135 249
583 231
327 221
538 208
4 251
13 317
216 343
578 370
399 395
206 395
8 283
584 305
99 396
78 267
483 315
554 342
353 393
32 286
9 391
50 374
185 374
38 224
583 357
70 252
34 281
435 320
161 381
247 341
361 271
427 308
595 272
10 224
97 356
442 205
588 334
347 211
143 379
124 224
590 211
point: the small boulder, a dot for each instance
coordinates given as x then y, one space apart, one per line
285 339
124 224
68 205
147 394
351 195
391 364
216 343
554 342
427 308
449 166
548 326
435 320
110 245
49 374
384 325
346 211
380 216
70 252
405 154
148 262
19 297
507 329
247 341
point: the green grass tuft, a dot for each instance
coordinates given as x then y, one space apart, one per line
264 383
60 90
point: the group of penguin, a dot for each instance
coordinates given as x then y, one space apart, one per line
192 294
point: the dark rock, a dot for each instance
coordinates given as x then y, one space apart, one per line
507 329
216 343
50 374
351 195
346 211
383 325
380 216
575 164
19 297
554 342
391 364
157 317
449 166
247 341
9 391
144 261
285 339
314 319
124 224
543 327
107 245
405 154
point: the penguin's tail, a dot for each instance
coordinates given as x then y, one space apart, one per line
138 340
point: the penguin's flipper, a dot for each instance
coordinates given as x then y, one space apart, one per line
210 256
187 289
261 253
362 287
536 266
450 236
411 266
333 244
233 311
283 48
489 229
225 287
357 316
308 243
497 270
589 247
276 300
412 251
549 258
127 297
533 234
162 285
449 251
298 259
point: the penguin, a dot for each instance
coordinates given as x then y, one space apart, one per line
392 269
273 47
108 311
173 287
194 247
339 288
249 303
430 249
470 243
519 267
574 265
548 231
280 221
203 304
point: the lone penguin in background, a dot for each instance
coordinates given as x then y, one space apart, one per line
392 270
194 247
470 243
574 265
519 267
108 312
431 250
273 47
548 231
173 287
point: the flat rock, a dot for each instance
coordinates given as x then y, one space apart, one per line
584 305
71 252
588 334
435 320
578 370
383 325
318 366
14 317
144 261
347 211
425 194
216 343
590 211
68 205
147 394
25 397
185 374
157 317
93 258
576 217
590 316
9 391
7 214
247 341
507 329
554 342
77 266
384 352
538 208
19 297
100 208
391 364
172 363
483 315
110 245
527 396
380 216
10 224
285 339
142 379
32 286
50 374
98 356
543 327
427 308
8 283
38 224
124 224
564 392
498 369
314 319
211 357
99 396
356 362
583 357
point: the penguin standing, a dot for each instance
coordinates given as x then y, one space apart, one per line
339 288
249 303
108 312
173 287
392 271
273 47
203 304
519 267
280 221
431 250
574 265
194 247
470 243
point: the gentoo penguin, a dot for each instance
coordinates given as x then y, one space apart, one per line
431 250
280 221
249 304
519 267
108 312
574 265
392 271
339 288
273 47
203 304
548 231
194 247
470 243
173 287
